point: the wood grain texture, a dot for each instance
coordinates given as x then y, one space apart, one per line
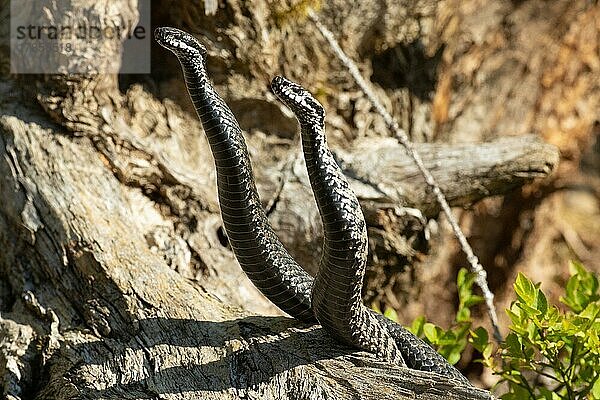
390 187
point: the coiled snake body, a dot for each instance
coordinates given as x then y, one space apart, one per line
334 298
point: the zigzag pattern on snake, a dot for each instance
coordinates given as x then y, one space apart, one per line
335 296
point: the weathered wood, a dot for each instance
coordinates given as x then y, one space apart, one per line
116 322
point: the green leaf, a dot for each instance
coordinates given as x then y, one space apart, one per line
512 345
461 278
390 313
463 315
514 313
591 313
487 353
593 342
461 330
596 389
541 303
530 310
447 338
479 339
432 332
417 326
454 356
473 300
577 268
525 290
581 288
464 283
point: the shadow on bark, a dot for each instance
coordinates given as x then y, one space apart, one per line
253 364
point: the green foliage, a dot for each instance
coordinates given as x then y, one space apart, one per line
452 342
582 288
550 353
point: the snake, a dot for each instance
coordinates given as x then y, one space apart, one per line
336 293
333 298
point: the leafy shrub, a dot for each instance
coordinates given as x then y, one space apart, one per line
550 353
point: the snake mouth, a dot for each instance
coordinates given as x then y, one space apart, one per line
179 42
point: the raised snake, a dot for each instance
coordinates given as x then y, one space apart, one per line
334 298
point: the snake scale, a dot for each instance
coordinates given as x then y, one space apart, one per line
333 298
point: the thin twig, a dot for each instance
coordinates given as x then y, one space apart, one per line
481 275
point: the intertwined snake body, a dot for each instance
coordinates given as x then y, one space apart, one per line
334 298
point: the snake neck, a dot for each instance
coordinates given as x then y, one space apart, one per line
238 196
257 248
222 129
337 296
345 234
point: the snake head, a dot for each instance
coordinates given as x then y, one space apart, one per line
181 43
298 99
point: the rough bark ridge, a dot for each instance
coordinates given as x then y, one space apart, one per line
115 277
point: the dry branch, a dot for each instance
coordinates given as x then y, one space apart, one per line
390 187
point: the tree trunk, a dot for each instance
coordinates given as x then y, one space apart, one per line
95 312
115 276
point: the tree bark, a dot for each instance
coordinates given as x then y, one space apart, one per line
115 276
96 313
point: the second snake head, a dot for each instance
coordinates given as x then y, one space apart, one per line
298 99
184 45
